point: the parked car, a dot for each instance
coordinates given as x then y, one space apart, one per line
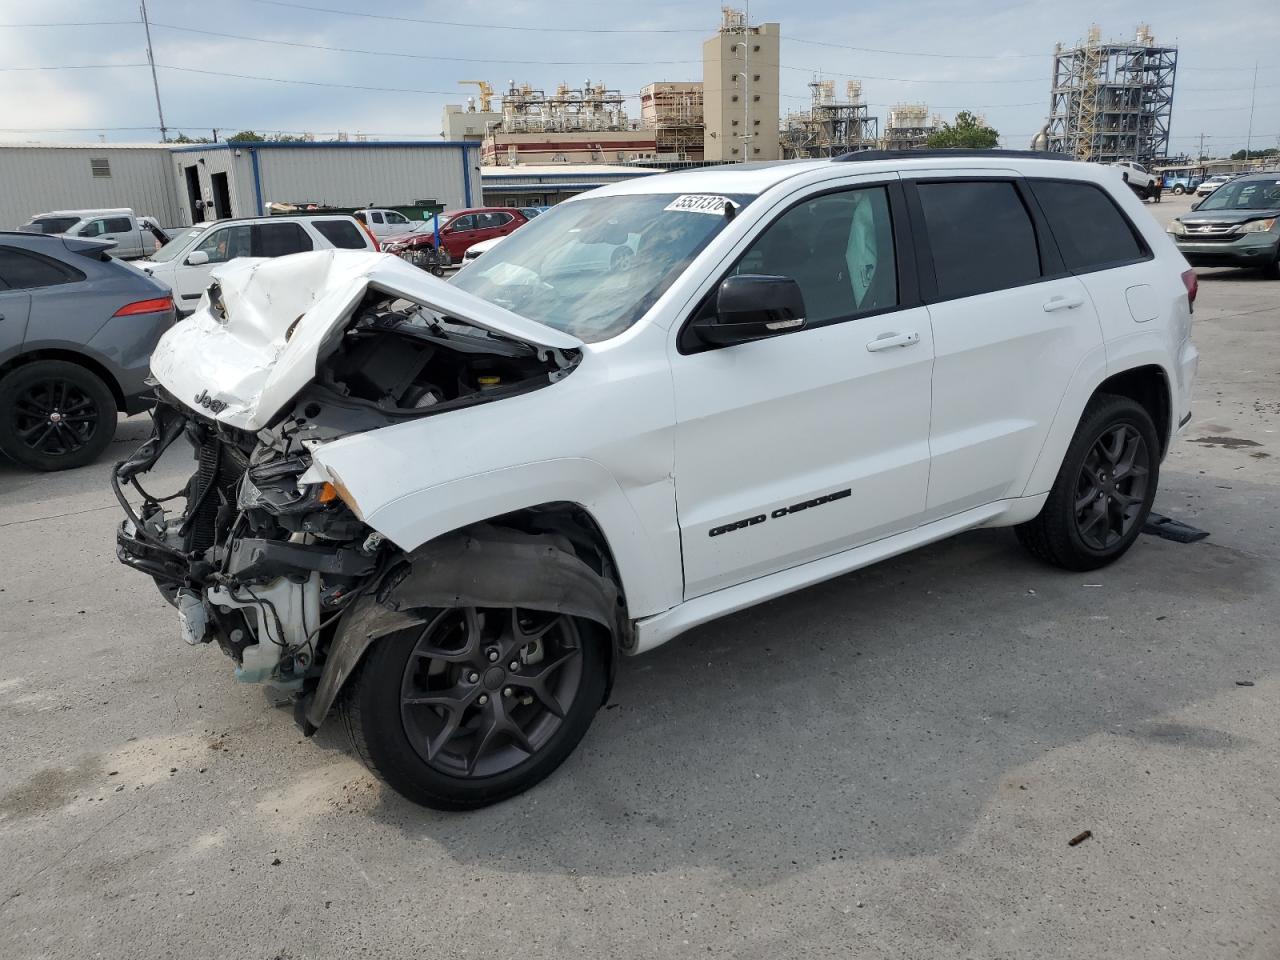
185 262
1210 184
1238 225
385 223
76 332
131 235
475 250
1139 179
799 370
462 229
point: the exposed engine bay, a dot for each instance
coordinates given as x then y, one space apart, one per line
260 551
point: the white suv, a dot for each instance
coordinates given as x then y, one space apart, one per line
186 262
448 508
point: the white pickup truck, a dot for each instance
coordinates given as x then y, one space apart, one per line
133 236
1136 176
384 223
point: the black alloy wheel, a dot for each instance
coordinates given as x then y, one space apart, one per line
55 415
1112 487
483 690
477 704
1104 489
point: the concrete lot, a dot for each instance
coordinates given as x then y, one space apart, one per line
888 765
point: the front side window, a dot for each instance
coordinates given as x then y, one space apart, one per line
279 239
462 224
226 244
593 267
981 236
1091 231
94 228
393 217
21 270
838 248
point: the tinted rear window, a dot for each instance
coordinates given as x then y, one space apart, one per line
279 239
981 237
341 233
51 225
21 270
1091 231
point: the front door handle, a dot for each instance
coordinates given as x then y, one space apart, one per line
887 341
1063 303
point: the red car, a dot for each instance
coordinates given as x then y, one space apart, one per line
460 229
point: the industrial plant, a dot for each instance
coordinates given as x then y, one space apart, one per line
1112 100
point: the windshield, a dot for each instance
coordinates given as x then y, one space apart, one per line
50 225
176 245
1245 195
592 267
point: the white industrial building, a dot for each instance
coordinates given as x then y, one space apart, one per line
180 185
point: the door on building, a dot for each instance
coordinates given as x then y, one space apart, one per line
194 197
221 196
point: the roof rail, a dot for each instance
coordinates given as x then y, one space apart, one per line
866 155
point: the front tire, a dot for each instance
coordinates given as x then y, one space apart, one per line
1104 488
55 415
476 705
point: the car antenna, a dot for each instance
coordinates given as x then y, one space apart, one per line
729 210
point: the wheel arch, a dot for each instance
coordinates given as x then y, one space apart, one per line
551 556
1149 386
98 369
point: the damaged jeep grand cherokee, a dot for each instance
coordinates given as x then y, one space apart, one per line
444 510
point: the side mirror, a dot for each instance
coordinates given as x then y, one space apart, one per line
752 307
1196 205
196 258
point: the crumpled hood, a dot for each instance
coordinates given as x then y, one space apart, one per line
281 312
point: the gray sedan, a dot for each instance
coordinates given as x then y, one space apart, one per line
76 333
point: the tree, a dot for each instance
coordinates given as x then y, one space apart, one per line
968 131
183 138
1268 152
246 136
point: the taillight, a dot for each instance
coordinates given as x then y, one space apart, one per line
157 305
365 227
1192 283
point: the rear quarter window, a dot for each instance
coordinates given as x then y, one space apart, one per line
23 270
1091 231
343 234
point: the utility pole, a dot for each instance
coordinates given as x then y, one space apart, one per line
1253 96
1200 155
146 26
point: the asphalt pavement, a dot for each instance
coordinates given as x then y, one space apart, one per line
891 764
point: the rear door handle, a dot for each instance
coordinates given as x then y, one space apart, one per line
887 341
1063 303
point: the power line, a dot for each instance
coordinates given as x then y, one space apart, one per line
77 23
423 56
477 26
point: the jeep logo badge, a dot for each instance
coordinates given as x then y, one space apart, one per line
215 406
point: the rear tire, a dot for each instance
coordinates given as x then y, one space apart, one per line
1104 488
448 725
55 415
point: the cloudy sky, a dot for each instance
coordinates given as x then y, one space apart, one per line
992 56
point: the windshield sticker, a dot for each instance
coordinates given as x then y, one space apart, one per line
701 203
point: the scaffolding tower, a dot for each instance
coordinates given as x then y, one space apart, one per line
1112 101
673 111
830 128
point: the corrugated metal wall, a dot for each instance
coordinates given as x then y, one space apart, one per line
34 179
356 175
